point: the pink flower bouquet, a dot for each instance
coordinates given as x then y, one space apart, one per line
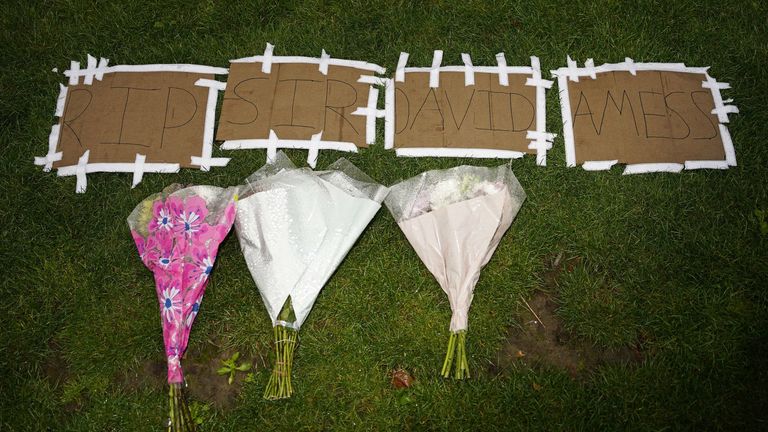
454 219
177 233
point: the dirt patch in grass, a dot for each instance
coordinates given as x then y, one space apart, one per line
55 366
542 340
199 365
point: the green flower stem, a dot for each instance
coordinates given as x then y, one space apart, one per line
279 385
180 419
457 350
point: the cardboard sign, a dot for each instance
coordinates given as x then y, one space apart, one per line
158 114
485 115
651 117
295 100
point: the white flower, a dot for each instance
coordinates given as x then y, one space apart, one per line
485 188
444 193
169 303
164 219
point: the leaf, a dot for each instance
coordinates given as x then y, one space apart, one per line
223 370
231 378
401 379
234 357
519 354
244 367
537 386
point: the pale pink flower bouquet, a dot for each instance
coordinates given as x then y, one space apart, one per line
455 219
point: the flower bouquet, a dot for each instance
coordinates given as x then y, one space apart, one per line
177 233
295 226
454 219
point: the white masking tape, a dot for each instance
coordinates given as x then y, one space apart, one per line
469 72
400 70
630 64
652 167
371 113
138 169
60 101
266 63
205 161
74 70
502 62
272 147
573 69
312 154
80 171
324 58
599 165
434 72
90 70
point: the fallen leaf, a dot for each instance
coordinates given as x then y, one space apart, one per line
401 379
537 386
519 354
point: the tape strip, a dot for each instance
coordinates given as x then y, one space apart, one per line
314 142
502 62
138 169
723 111
73 72
372 80
599 165
400 70
589 68
60 101
324 58
691 165
469 73
541 140
264 143
52 156
285 324
730 153
565 112
371 113
458 152
266 61
272 147
434 72
630 64
101 69
652 167
573 69
389 114
80 172
205 161
90 70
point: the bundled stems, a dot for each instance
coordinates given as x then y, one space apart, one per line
279 385
180 419
457 347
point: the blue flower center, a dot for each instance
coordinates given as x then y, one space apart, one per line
208 270
168 303
186 226
165 221
195 307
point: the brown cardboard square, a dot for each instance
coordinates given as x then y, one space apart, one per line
653 117
486 115
295 100
158 114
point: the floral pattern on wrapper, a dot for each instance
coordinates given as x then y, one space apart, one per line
180 249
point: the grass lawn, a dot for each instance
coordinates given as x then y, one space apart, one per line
653 286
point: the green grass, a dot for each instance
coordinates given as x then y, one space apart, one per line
676 258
